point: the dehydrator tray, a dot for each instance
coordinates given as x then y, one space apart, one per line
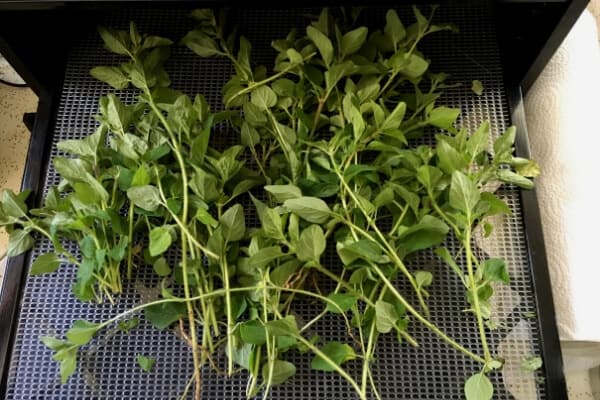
107 368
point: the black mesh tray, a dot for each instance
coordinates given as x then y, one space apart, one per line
107 368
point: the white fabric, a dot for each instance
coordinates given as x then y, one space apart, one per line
563 118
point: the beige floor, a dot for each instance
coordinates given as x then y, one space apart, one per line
14 140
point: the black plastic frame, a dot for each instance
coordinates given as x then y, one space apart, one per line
38 153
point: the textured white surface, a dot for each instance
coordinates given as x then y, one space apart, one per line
562 117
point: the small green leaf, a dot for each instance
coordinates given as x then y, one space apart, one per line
146 197
19 242
386 316
282 371
504 144
161 267
233 223
362 249
113 76
428 232
201 44
164 314
264 97
311 244
450 159
477 87
160 241
322 42
508 176
13 205
128 325
82 332
394 27
531 363
464 194
283 327
423 278
353 40
68 366
395 118
54 343
478 387
494 270
253 332
496 205
270 219
114 40
443 117
311 209
284 192
280 275
336 352
344 302
145 363
526 167
206 218
445 255
46 263
264 256
479 141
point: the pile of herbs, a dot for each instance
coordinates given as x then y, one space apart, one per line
326 155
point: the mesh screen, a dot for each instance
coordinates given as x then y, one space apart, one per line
108 369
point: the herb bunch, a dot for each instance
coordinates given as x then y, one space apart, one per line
330 136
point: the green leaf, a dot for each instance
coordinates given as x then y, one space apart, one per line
311 209
145 363
113 76
282 371
494 270
450 159
478 387
531 363
13 205
507 176
161 267
445 255
264 97
362 249
323 44
205 186
146 197
253 332
336 352
477 87
526 167
264 256
311 244
423 278
344 302
353 40
386 316
464 194
479 141
443 117
201 44
19 242
164 314
428 232
504 144
160 241
270 219
114 41
280 275
429 176
282 193
395 118
128 325
394 27
86 147
68 366
233 223
46 263
54 343
82 332
206 218
496 205
286 326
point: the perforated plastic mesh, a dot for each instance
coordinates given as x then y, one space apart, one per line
433 371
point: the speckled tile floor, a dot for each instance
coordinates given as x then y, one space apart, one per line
14 140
